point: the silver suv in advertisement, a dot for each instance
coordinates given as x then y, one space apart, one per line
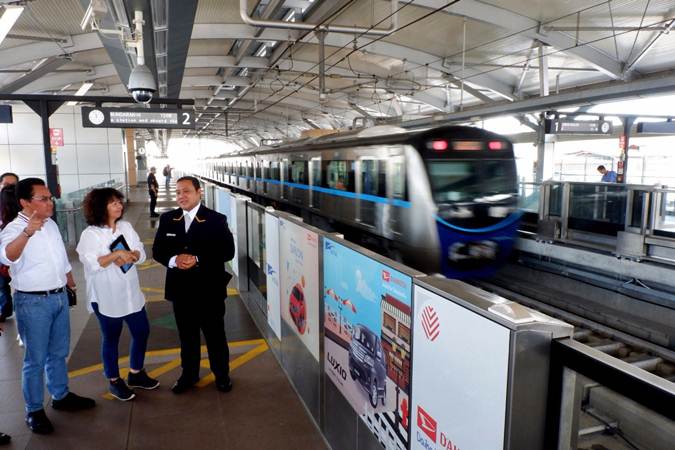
366 363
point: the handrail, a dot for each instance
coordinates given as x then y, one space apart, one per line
243 12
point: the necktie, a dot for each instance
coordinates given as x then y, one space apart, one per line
188 221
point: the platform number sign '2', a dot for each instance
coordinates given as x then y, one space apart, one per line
100 117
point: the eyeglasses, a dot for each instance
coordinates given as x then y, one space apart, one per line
44 199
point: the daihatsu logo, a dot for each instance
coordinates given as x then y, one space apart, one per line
430 323
426 423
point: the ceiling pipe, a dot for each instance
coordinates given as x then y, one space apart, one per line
243 12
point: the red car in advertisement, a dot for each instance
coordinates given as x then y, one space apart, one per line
297 307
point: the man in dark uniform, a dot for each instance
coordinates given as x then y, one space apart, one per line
194 242
153 189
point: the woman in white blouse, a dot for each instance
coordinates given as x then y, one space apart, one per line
113 291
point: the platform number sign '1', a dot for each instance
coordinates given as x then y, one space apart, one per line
137 118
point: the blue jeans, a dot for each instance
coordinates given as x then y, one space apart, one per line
44 326
111 329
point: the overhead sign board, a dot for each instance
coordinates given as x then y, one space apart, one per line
656 127
137 118
568 126
6 114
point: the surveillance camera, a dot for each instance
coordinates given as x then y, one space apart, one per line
142 84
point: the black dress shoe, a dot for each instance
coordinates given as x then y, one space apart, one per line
5 438
73 402
181 386
224 385
38 422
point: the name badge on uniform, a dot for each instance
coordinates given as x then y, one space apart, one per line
171 234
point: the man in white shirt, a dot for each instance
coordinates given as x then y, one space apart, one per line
32 247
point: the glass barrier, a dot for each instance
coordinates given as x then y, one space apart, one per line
597 208
664 222
256 257
528 197
555 200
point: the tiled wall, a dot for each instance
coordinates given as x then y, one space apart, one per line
89 156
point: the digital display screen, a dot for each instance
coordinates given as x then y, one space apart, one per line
5 114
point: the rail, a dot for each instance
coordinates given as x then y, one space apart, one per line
570 359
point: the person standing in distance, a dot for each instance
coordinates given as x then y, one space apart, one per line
32 247
153 189
6 305
608 176
194 242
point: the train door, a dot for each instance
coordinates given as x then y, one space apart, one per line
283 193
396 192
371 188
315 182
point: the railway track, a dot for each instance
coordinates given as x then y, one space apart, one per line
607 420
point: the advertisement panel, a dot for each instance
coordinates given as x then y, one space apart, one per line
459 399
299 272
367 339
272 272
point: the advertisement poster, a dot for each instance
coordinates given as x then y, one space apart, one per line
459 401
367 343
299 272
272 272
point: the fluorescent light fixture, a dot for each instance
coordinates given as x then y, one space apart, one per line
8 19
81 91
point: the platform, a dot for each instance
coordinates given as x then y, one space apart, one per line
262 411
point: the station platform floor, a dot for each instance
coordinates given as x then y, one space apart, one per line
261 412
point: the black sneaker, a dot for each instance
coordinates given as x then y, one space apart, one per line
73 402
120 390
142 380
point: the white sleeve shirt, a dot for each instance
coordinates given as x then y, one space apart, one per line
192 213
116 293
43 264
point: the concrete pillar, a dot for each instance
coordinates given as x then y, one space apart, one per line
129 138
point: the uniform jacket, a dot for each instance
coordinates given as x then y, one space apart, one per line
210 240
152 182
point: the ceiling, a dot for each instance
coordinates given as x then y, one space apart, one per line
263 82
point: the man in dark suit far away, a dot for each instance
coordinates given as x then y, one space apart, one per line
194 242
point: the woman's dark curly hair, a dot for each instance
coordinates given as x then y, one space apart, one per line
95 205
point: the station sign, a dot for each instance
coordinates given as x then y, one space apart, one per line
568 126
656 127
6 114
93 117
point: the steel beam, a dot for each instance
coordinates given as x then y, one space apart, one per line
619 90
48 66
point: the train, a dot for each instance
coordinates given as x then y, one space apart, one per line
442 200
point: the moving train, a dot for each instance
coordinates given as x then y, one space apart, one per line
442 200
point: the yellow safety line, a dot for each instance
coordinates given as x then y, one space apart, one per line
152 289
232 291
163 352
149 266
239 361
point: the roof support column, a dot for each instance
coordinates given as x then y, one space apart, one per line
45 108
622 164
543 71
545 152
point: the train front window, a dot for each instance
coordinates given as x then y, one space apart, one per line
472 181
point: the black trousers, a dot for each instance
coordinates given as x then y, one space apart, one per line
209 317
153 202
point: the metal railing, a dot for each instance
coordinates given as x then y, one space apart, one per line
68 212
